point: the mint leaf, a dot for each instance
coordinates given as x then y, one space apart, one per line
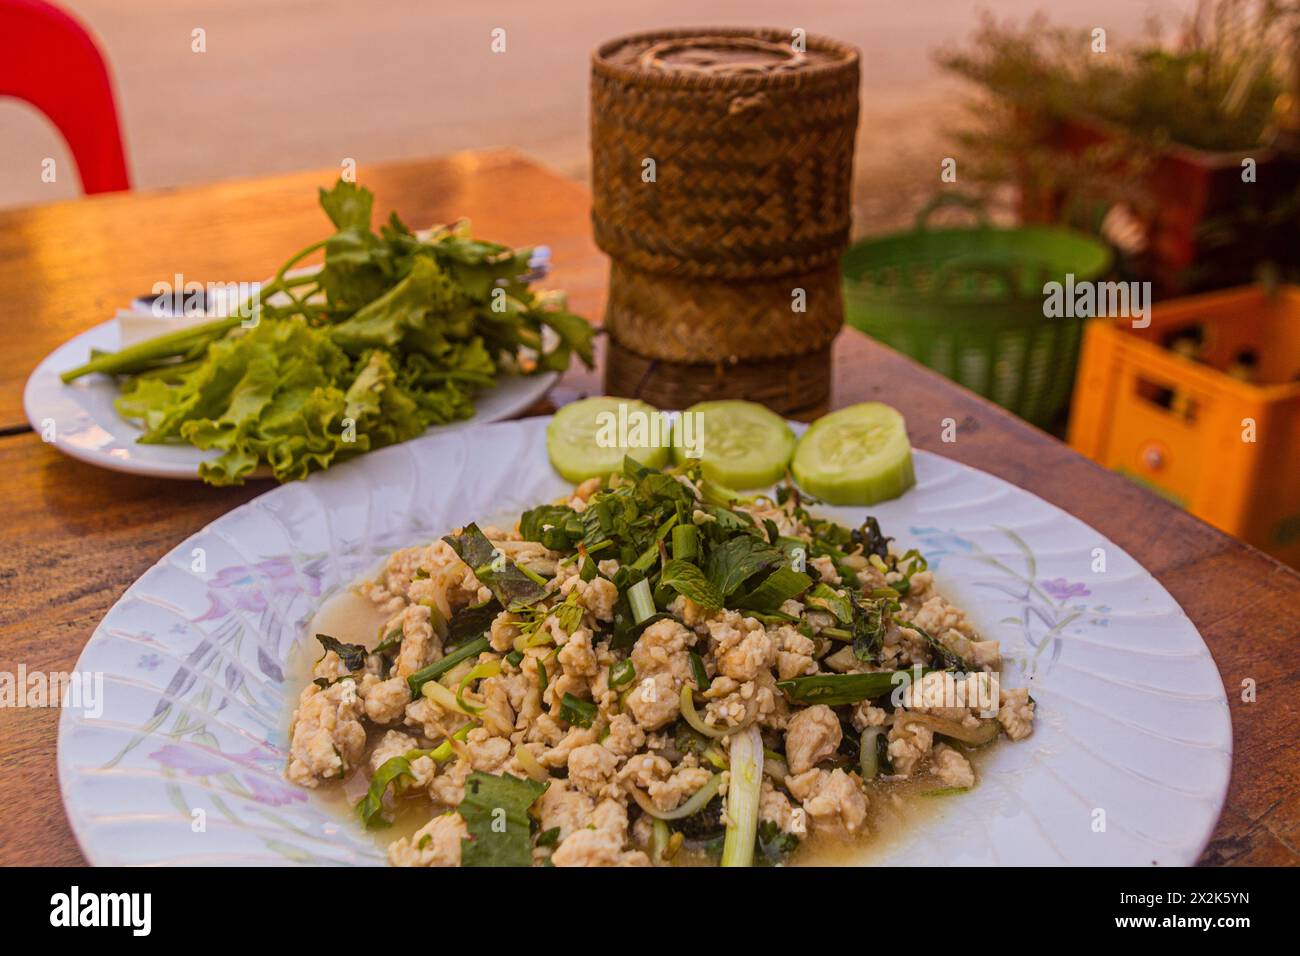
777 588
495 810
737 559
689 581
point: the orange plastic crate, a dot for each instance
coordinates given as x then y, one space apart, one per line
1180 425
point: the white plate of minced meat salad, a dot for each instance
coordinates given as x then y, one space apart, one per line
562 642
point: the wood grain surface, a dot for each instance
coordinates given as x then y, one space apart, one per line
74 537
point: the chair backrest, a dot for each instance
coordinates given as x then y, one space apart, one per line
49 60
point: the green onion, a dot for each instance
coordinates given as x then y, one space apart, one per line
743 797
532 575
443 665
642 602
444 750
140 356
716 757
698 672
486 669
686 539
535 770
835 689
693 804
774 766
660 834
693 718
576 711
622 673
542 679
392 639
444 698
986 732
869 752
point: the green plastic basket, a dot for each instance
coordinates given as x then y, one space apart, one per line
968 303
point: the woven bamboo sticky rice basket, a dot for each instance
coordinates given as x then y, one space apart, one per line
722 164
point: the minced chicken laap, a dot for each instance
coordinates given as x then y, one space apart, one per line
652 671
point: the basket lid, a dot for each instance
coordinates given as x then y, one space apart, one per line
726 56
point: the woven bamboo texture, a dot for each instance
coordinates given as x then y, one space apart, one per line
722 167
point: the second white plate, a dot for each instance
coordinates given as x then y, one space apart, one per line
80 421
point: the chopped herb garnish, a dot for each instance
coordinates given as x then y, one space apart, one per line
577 711
775 845
509 584
326 683
872 539
370 809
558 527
353 656
871 619
689 581
777 588
949 659
472 621
734 561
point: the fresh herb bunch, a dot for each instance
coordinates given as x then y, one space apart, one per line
395 333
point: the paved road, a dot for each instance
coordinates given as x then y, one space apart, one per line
287 84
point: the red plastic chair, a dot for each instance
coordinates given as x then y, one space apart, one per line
50 60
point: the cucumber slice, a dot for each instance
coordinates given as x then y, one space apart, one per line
743 444
856 456
583 439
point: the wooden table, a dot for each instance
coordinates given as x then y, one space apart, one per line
75 537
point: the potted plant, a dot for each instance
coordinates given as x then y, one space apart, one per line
1169 149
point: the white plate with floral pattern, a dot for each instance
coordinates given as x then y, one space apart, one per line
1128 762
